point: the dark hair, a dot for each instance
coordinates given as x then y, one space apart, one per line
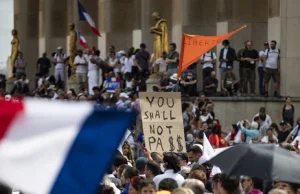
216 130
97 52
226 42
195 149
106 190
123 167
269 129
153 167
147 183
262 116
119 160
143 45
167 184
262 109
235 127
5 189
130 172
172 161
257 183
96 88
274 41
230 183
184 157
216 178
275 126
185 106
135 182
173 45
287 97
79 51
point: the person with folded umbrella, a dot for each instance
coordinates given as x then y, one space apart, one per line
249 129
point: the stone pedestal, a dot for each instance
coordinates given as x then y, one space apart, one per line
9 85
152 82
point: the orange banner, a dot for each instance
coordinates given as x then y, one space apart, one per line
194 46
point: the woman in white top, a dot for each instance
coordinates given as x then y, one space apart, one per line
172 168
113 63
270 137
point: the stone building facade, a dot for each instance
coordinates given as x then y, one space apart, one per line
42 26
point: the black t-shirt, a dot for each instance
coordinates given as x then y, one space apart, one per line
209 80
164 82
252 54
44 63
282 135
143 58
189 80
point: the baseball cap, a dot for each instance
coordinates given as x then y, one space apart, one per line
266 43
282 123
124 95
59 48
140 163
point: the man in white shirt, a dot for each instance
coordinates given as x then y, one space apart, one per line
59 63
93 71
268 118
81 63
260 68
162 64
272 68
208 61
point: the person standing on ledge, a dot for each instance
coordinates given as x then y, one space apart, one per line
160 32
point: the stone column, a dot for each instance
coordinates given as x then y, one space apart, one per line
283 26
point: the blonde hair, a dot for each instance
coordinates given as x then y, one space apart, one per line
182 191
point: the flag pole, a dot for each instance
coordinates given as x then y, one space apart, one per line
180 61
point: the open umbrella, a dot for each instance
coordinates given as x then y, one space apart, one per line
265 161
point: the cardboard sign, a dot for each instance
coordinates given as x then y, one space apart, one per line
162 121
112 84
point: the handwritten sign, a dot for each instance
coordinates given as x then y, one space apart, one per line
112 84
162 121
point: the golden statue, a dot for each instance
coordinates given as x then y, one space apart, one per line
160 31
72 44
14 52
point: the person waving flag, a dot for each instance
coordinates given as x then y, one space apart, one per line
82 41
84 16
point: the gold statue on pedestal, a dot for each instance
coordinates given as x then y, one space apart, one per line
15 43
161 40
72 44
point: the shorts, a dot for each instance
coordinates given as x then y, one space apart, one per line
271 73
81 77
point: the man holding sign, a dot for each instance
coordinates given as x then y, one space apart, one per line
162 122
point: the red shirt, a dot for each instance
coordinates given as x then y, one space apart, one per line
217 141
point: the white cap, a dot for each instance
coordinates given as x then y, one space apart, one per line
8 97
254 125
59 48
124 95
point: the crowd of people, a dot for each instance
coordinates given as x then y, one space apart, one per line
115 83
129 70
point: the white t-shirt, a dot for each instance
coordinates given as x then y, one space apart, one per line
114 64
60 59
272 58
207 57
162 65
261 54
80 60
128 64
265 139
92 66
223 65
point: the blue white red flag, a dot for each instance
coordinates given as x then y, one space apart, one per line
57 147
84 16
82 41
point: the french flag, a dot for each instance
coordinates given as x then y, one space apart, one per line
57 147
84 16
82 41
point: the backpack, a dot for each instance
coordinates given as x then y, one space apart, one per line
211 55
268 50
